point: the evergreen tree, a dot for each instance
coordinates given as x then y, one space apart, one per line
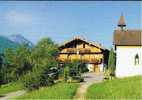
111 62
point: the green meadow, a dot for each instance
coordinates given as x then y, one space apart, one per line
126 88
10 87
58 91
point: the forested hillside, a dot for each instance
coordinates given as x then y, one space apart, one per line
6 43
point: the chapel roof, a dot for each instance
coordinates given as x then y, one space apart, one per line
127 37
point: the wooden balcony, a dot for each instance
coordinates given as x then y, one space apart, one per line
71 50
84 50
81 50
93 60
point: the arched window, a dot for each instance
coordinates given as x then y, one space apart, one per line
136 59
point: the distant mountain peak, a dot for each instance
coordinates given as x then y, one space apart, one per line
18 38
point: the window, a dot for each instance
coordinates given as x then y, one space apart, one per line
136 59
101 60
84 45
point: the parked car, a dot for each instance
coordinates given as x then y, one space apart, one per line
54 73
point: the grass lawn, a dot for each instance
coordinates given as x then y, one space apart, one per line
58 91
126 88
10 87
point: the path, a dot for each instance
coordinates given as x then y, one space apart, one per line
89 79
13 95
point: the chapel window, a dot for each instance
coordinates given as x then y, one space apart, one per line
136 59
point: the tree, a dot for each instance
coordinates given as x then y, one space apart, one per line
43 57
111 63
17 61
1 70
23 64
9 57
45 49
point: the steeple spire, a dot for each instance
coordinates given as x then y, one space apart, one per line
121 22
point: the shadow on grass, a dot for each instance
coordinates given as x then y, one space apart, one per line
1 96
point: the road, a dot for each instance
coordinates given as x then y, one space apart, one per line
89 79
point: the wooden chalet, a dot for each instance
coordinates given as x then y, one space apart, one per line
87 52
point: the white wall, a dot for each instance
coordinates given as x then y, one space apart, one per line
90 67
125 61
101 67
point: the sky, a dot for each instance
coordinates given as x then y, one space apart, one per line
63 20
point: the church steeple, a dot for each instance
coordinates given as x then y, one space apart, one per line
121 22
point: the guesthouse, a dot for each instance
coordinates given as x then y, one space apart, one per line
89 53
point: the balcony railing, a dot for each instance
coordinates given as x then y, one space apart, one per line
93 60
81 50
84 50
71 50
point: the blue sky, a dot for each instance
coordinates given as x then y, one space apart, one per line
62 20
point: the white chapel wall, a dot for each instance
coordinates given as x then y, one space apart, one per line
125 61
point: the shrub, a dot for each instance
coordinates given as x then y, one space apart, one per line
79 78
40 77
66 73
83 68
72 72
31 80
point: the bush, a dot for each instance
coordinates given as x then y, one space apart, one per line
39 78
83 68
72 72
66 73
79 78
31 80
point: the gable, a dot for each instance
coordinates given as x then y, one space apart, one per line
80 43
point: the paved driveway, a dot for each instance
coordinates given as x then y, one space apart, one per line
89 79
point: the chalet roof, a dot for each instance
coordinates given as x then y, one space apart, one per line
128 37
121 22
81 39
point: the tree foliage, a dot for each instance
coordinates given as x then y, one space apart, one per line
110 71
17 61
31 65
72 71
43 58
1 70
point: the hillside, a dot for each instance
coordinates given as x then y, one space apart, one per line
6 43
13 41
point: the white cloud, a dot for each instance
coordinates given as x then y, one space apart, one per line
18 18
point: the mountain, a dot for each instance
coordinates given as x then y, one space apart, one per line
6 43
19 39
13 41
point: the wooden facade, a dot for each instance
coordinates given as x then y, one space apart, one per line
82 50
